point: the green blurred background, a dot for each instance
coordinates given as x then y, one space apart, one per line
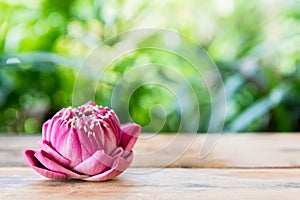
255 45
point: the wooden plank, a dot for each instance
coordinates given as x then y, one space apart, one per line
231 151
168 183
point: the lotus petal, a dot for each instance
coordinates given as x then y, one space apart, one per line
46 146
55 167
97 163
38 167
130 133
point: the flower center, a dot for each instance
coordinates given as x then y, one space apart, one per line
87 117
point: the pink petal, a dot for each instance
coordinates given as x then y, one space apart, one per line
112 173
117 152
120 165
53 132
95 164
37 166
47 147
48 128
67 144
99 136
49 174
44 130
52 124
114 124
29 156
110 142
53 166
89 143
57 132
123 163
130 134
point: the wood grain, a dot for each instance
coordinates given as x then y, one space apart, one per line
243 166
168 183
182 150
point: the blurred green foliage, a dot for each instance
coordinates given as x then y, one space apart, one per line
255 45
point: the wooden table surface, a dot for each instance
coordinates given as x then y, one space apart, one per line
240 166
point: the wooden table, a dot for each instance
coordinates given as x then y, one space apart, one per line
241 166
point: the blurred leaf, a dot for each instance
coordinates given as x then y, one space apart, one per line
259 109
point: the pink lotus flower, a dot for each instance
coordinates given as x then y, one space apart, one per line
87 142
